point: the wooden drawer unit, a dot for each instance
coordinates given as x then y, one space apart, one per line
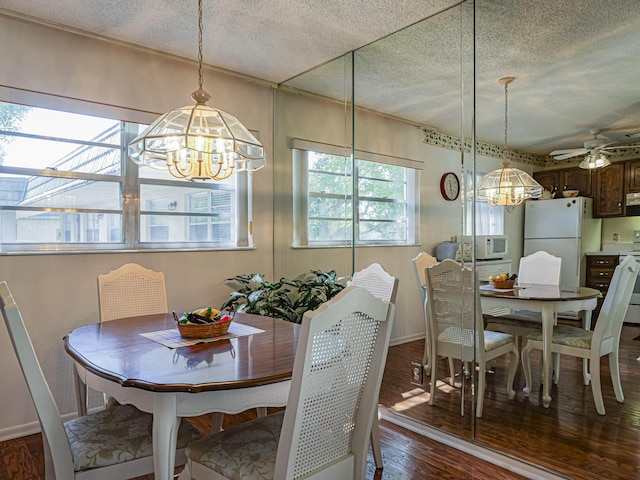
600 270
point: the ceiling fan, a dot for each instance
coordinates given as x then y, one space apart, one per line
594 146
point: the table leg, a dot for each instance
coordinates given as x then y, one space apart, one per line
165 435
547 335
81 393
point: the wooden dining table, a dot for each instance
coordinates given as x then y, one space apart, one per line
224 376
548 300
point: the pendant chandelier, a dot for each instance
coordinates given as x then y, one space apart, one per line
507 186
198 142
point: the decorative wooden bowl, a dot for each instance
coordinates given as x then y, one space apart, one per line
507 284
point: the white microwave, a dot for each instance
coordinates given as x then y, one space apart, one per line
491 246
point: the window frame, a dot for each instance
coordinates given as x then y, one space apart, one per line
131 210
301 195
495 220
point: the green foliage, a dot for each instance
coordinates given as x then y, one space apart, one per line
286 299
10 117
382 199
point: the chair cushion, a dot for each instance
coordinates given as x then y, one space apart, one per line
115 435
245 451
496 339
567 335
465 337
522 318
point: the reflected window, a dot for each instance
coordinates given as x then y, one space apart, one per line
66 183
489 219
385 200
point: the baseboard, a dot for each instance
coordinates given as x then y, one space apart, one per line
30 428
410 338
507 462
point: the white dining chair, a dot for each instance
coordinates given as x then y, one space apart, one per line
324 430
591 345
457 327
539 268
127 291
112 443
131 290
384 286
420 263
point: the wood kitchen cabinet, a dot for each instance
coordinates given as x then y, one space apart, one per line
600 270
566 179
633 176
609 192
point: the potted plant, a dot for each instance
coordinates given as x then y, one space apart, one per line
287 299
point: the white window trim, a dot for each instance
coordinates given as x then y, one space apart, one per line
300 176
130 207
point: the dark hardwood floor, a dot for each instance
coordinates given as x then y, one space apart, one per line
406 456
569 437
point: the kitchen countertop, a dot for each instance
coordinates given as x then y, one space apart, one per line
616 249
615 253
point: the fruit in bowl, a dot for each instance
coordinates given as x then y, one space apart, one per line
203 316
502 280
203 323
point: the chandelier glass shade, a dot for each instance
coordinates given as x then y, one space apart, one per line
595 160
198 142
507 186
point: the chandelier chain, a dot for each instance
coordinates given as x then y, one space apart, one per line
200 81
506 103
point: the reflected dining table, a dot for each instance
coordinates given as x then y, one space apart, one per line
225 376
548 300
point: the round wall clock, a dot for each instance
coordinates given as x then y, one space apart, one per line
449 186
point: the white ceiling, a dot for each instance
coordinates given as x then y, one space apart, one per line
576 62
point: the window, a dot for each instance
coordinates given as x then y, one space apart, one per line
385 198
489 220
66 183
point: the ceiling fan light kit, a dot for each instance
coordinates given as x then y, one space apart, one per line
507 186
594 160
597 151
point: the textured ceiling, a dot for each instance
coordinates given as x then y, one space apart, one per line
576 62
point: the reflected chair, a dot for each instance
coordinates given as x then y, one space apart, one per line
591 345
457 326
539 268
385 287
128 291
113 443
422 261
324 430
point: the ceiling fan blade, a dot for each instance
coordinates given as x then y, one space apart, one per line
617 147
568 150
575 153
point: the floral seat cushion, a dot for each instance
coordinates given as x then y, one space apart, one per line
115 435
246 451
567 335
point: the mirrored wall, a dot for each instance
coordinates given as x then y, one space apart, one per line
414 101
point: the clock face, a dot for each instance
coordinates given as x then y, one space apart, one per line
449 186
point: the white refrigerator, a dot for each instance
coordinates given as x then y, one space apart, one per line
563 227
